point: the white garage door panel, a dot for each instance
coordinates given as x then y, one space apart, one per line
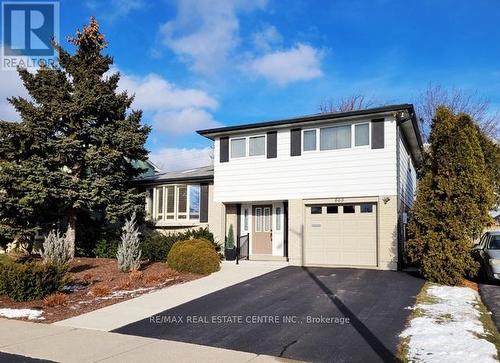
341 239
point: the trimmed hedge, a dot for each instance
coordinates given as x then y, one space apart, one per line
156 246
31 281
196 256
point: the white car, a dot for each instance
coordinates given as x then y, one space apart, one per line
487 252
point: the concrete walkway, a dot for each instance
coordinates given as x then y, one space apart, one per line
68 345
118 315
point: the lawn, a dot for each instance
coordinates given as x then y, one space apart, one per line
94 283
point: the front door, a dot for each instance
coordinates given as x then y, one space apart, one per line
262 242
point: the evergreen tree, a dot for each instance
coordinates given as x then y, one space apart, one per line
491 152
453 199
230 238
71 153
129 250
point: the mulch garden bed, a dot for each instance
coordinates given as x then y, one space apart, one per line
96 283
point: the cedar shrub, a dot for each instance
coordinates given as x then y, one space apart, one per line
453 199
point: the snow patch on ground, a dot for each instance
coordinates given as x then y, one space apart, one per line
22 313
449 328
120 294
73 287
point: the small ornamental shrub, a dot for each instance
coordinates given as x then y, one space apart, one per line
135 275
156 246
230 238
155 278
129 251
31 281
56 299
100 290
106 248
196 256
57 249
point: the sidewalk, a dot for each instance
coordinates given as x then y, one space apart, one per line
118 315
68 345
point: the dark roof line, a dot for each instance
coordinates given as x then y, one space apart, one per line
195 174
310 118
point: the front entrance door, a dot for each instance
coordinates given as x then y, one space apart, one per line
262 242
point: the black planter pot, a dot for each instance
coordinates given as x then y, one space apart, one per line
230 254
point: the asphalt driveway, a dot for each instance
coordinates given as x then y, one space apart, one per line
490 294
312 314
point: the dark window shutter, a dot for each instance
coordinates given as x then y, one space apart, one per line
378 133
271 144
224 149
203 203
295 142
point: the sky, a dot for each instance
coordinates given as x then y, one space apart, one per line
195 64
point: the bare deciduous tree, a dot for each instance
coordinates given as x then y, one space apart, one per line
458 101
345 104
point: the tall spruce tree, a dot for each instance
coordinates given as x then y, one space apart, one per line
453 199
71 152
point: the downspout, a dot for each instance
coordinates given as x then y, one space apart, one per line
398 199
285 229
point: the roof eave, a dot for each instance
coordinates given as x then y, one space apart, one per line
212 133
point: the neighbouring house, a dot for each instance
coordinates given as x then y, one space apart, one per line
323 190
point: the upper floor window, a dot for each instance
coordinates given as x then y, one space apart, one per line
257 145
361 134
248 146
238 148
309 140
176 202
336 137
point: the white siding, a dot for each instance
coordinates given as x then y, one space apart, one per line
407 176
357 171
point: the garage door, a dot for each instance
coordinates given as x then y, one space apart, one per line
341 234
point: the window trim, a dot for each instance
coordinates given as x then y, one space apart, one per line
353 134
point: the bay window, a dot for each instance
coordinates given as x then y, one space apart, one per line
194 202
176 202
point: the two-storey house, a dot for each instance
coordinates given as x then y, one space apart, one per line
323 190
